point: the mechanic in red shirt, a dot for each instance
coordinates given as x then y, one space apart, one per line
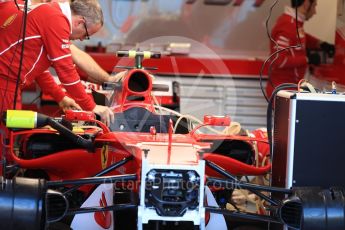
47 43
292 64
94 73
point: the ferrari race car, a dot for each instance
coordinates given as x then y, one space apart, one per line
152 168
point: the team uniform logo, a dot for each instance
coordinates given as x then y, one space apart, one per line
65 44
8 21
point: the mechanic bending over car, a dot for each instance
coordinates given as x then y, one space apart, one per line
292 64
49 29
84 62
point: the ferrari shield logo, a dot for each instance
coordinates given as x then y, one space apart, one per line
104 156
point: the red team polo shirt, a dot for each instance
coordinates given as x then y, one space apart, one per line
291 65
46 44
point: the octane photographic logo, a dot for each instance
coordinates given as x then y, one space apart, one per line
203 77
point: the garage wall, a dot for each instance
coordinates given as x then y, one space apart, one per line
240 98
224 28
227 29
323 24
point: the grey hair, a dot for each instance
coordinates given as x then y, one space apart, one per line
89 9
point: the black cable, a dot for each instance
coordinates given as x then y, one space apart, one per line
269 123
270 68
270 113
247 179
21 53
275 43
271 39
3 153
15 2
278 51
35 99
76 139
269 120
267 21
10 65
232 203
7 81
276 90
264 64
298 37
280 87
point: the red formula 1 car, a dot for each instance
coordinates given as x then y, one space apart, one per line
150 169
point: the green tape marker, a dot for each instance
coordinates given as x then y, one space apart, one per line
23 119
132 53
147 54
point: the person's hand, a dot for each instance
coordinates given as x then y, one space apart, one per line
106 114
328 48
118 77
314 59
68 103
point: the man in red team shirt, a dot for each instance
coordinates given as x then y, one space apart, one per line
95 74
49 29
47 43
292 64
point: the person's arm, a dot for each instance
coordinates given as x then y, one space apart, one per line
86 63
291 57
48 86
55 31
68 103
312 42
